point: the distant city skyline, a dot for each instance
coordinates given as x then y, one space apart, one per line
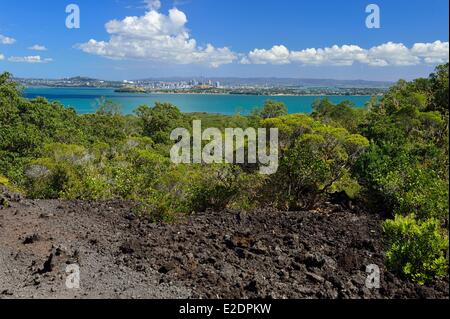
210 81
140 39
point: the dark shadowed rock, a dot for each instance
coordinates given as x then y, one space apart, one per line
320 254
30 239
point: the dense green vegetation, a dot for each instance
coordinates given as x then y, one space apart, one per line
391 157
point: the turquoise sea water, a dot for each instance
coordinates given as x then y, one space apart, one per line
85 100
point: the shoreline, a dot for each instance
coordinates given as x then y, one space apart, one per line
197 93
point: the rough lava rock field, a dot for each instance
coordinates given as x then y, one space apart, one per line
228 254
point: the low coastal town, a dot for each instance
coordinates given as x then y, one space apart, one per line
238 86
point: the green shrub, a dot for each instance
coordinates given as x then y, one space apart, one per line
4 202
420 191
4 181
344 114
216 188
87 184
316 160
47 178
223 186
161 206
171 193
406 185
59 173
183 189
417 249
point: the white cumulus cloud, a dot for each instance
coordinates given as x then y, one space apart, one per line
343 56
387 54
2 57
37 47
279 54
29 59
436 52
390 53
6 40
156 37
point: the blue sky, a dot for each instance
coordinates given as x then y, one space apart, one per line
283 38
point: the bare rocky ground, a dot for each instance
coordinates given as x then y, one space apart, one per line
229 254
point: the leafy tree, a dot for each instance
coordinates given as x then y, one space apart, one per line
270 109
109 107
344 114
26 125
407 162
315 160
439 87
159 121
